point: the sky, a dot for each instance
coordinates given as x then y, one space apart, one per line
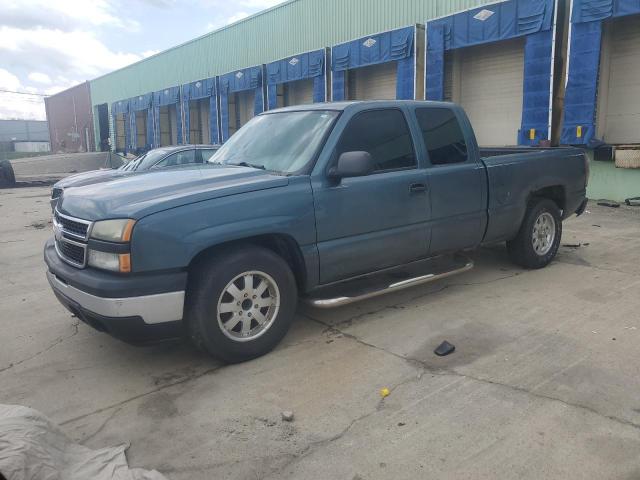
47 46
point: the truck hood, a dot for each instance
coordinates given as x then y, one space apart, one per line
89 178
137 196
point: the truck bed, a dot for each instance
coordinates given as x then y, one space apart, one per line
513 173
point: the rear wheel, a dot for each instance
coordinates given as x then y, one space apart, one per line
538 240
241 303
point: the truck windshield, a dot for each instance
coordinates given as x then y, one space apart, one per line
282 142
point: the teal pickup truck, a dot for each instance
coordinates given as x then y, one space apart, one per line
328 203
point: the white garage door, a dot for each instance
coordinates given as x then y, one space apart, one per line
199 121
241 109
298 93
168 126
619 98
488 84
377 82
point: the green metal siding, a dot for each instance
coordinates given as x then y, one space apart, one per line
293 27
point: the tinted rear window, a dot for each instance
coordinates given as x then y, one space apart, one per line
442 135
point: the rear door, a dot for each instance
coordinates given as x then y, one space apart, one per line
457 180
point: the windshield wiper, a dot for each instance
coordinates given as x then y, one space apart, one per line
247 164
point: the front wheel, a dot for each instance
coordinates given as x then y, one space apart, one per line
538 240
241 303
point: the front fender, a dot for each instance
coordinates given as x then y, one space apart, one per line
171 239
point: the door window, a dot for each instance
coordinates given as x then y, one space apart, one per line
205 155
442 135
179 158
385 135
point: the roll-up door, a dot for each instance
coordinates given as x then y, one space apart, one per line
120 131
299 92
141 128
489 86
619 87
205 120
199 121
168 126
376 82
241 109
246 107
165 127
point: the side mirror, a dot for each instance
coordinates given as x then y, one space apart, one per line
352 164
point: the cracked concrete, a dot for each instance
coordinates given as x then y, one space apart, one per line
543 383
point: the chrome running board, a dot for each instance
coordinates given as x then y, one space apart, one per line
374 285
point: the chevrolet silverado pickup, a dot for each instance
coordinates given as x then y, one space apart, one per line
331 203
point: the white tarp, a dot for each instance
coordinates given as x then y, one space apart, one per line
33 448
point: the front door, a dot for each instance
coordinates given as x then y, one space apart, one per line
370 223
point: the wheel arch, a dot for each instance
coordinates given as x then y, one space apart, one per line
555 193
283 245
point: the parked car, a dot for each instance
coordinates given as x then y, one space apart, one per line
164 157
330 202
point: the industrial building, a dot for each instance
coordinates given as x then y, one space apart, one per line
70 118
528 72
24 136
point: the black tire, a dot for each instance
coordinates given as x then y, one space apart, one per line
521 249
7 177
206 285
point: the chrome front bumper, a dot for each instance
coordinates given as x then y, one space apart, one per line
153 309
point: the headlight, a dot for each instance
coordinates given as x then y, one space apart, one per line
115 262
113 230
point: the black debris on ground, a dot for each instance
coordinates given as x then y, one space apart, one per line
444 349
609 204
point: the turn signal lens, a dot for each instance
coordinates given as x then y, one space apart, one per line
125 262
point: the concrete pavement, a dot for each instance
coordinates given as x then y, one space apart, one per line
543 384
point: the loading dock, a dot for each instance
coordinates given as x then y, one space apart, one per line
488 81
381 66
167 117
603 82
241 97
497 62
200 104
297 80
121 125
141 121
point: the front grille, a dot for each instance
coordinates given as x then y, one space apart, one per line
71 252
56 193
71 235
76 228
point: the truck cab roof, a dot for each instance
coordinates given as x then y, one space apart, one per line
361 105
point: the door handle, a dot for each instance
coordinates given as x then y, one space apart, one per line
417 188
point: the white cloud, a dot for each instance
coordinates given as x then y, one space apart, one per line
237 17
39 77
13 105
8 81
59 52
259 4
149 53
20 106
64 15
